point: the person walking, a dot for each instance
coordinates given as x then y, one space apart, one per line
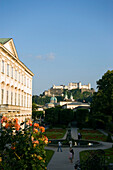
70 156
59 146
71 150
70 144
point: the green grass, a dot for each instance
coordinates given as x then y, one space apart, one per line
92 135
55 133
49 154
108 155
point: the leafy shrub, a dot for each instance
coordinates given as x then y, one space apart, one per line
109 139
110 127
22 148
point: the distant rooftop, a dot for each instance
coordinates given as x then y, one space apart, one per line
4 40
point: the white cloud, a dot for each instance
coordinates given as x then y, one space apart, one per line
39 57
50 56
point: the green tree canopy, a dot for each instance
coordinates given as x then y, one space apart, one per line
102 102
58 116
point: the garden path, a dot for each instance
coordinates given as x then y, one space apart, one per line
65 135
74 133
60 160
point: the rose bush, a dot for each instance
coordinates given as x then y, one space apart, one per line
22 149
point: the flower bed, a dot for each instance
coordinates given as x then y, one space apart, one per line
92 135
55 133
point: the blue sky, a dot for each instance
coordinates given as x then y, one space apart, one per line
61 41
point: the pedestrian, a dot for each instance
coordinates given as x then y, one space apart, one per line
70 144
78 135
70 156
71 150
59 146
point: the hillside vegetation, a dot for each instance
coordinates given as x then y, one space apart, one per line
77 95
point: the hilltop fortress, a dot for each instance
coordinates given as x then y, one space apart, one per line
58 90
72 86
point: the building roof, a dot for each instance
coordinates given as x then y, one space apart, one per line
82 107
77 103
4 40
13 52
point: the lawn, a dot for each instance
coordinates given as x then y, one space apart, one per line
55 133
49 154
92 135
108 155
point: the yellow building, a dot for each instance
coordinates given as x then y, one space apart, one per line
15 83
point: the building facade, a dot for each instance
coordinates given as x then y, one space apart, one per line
15 83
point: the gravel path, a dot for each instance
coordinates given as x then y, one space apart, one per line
60 160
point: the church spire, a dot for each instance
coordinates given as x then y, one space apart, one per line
71 97
66 96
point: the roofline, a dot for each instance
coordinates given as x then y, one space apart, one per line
17 59
6 41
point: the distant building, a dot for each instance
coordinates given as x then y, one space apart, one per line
72 86
87 106
67 103
58 90
75 105
15 83
71 103
53 102
66 100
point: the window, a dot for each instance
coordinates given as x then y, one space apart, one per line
22 79
12 72
27 100
22 101
3 66
7 97
15 74
25 80
2 96
30 84
19 99
7 69
15 98
19 76
11 98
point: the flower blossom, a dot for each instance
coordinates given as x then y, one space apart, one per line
36 125
4 119
35 130
17 126
36 142
29 122
7 125
39 157
42 129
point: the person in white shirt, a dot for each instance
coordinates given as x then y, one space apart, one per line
70 144
59 146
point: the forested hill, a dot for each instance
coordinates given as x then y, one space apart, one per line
77 95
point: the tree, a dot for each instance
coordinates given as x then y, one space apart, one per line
34 106
58 116
81 116
102 102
